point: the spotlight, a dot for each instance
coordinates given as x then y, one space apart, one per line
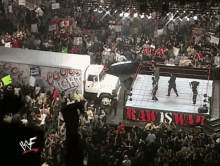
100 6
195 17
134 8
135 14
177 11
131 89
115 11
168 14
184 11
191 11
205 95
204 100
130 99
142 16
121 14
100 11
130 94
106 6
95 10
149 17
126 14
107 12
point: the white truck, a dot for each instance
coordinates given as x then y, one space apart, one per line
65 72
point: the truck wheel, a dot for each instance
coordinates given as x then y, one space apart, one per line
105 99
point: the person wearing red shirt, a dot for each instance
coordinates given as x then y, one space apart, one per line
198 56
15 43
161 50
74 50
121 128
147 50
55 94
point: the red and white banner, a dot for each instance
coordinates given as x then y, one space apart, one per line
164 117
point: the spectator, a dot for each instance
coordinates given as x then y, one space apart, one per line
121 128
126 162
217 62
24 120
15 43
198 56
151 137
17 90
37 90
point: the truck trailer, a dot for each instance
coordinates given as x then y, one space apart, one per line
65 72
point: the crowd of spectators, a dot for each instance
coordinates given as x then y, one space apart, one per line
103 145
109 38
151 145
42 110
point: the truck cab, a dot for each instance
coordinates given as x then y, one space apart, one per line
101 85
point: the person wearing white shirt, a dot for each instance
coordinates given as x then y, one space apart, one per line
217 60
39 12
107 49
42 118
106 52
119 39
151 138
24 120
28 99
117 55
111 27
17 91
126 162
42 124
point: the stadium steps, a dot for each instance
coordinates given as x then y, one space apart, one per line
213 124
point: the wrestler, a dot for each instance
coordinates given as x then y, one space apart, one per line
155 87
172 84
193 86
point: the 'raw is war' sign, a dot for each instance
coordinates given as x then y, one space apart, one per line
164 117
